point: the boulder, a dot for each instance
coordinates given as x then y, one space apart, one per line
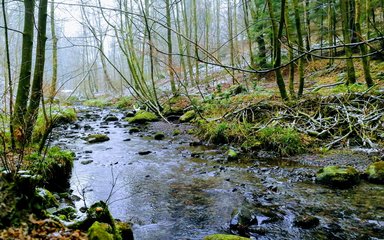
338 177
375 172
159 136
143 117
111 118
97 138
224 237
188 116
47 199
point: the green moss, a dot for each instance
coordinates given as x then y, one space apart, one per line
124 231
375 172
56 116
100 231
232 155
143 117
97 138
213 131
55 167
285 141
66 214
175 106
176 132
188 116
124 102
339 177
159 136
224 237
47 198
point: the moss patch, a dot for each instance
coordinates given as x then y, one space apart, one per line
100 231
224 237
285 141
339 177
143 117
375 172
188 116
159 136
55 167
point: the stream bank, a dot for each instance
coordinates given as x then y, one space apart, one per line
176 188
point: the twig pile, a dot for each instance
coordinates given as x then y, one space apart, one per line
353 119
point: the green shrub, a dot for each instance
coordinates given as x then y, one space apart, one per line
285 141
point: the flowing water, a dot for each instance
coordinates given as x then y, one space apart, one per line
179 191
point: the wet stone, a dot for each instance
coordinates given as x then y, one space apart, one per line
144 152
159 136
86 162
134 130
87 127
306 222
111 118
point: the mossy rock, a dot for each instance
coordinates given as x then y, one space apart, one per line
100 231
134 130
143 117
188 116
67 213
338 177
97 138
176 132
46 197
224 237
124 230
375 172
232 155
159 136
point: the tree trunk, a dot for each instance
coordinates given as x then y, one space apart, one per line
246 11
23 88
8 81
291 81
346 14
38 77
300 43
169 45
277 36
363 47
331 32
230 38
54 53
261 45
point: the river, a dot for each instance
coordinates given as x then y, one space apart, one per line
182 191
